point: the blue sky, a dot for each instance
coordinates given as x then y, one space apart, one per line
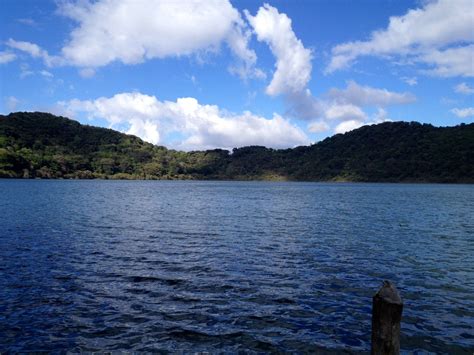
215 73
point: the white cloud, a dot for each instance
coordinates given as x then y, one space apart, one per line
347 126
463 112
243 130
318 126
464 89
344 112
238 40
351 124
6 57
202 126
35 51
293 72
451 62
145 129
345 105
365 96
293 60
132 31
412 81
422 35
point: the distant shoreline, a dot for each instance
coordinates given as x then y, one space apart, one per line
334 182
41 145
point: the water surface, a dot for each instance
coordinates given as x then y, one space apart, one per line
230 266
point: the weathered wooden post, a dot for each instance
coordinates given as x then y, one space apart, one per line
387 307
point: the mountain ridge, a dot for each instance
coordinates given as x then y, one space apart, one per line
41 145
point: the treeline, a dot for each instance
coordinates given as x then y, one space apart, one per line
41 145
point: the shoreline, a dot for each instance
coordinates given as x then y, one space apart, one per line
335 182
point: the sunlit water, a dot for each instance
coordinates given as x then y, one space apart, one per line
231 266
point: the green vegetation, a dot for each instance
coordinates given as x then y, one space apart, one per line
40 145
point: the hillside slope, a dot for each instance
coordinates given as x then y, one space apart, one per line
34 144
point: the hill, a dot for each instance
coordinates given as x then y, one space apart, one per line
41 145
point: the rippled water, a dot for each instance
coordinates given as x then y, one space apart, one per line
230 266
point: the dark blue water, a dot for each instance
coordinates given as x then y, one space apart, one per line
230 266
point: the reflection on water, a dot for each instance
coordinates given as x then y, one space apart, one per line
122 265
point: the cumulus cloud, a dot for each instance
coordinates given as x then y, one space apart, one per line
425 35
6 57
347 126
464 89
366 96
293 60
343 108
463 112
351 124
202 126
238 41
347 105
243 130
132 31
344 112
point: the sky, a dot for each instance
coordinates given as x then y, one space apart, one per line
205 74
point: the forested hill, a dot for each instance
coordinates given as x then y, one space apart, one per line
41 145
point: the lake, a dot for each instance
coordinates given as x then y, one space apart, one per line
231 266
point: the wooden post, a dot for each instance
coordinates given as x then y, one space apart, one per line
387 307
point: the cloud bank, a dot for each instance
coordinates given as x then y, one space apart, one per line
201 126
